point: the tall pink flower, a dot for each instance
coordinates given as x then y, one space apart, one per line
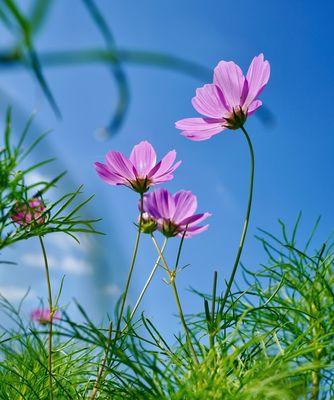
43 316
174 214
228 101
29 212
140 170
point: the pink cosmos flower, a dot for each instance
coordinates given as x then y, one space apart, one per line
26 213
140 170
43 316
228 101
174 214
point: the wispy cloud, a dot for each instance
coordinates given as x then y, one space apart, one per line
15 293
67 263
112 290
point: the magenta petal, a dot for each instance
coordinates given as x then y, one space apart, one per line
200 128
106 175
163 171
254 106
191 231
159 204
257 78
210 101
185 205
143 158
165 202
194 219
229 77
118 164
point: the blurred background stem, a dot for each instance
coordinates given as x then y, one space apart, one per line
51 311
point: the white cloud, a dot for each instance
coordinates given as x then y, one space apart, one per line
68 263
112 290
14 293
64 242
75 265
35 177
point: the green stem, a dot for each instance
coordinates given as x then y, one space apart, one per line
124 297
177 299
246 221
47 273
103 364
149 279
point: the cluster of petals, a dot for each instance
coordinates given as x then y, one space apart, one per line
43 316
228 101
174 214
28 212
138 172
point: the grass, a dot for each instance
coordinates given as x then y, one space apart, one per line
274 342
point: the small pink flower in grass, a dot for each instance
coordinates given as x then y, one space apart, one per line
228 101
43 316
29 212
140 170
174 213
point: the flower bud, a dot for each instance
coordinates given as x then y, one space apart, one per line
29 212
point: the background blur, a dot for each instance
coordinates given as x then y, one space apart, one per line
292 136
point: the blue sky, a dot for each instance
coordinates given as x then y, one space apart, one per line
294 154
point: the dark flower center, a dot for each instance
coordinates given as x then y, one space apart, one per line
170 229
141 185
236 119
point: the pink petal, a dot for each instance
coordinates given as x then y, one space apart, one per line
143 158
185 205
159 204
254 106
107 176
162 172
257 78
210 101
194 231
200 128
119 165
229 77
194 220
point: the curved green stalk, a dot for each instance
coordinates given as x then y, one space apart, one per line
177 298
246 221
124 297
47 273
149 279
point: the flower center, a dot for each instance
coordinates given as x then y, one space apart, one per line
169 228
141 185
236 119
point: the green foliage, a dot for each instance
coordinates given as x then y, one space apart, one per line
270 346
61 215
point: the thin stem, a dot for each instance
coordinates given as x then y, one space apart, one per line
124 297
47 273
148 280
246 221
103 363
177 299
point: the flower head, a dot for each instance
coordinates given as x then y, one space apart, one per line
174 213
140 170
43 316
29 212
228 101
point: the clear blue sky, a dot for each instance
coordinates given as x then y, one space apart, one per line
294 155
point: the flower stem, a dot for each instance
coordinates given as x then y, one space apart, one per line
149 279
124 297
47 273
177 299
246 221
103 363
